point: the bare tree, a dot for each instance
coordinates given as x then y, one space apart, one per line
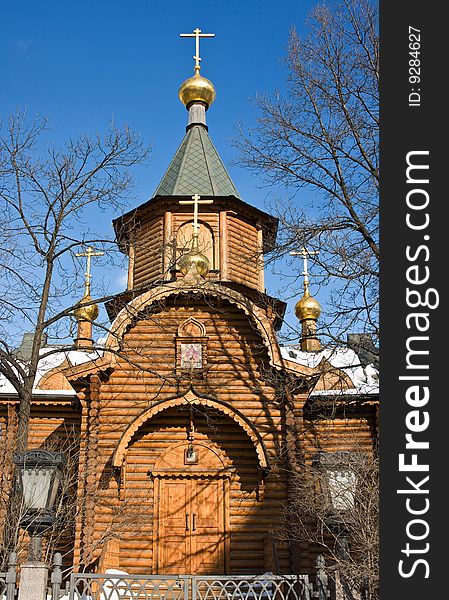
46 195
322 137
334 504
125 516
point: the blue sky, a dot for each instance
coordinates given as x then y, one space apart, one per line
83 63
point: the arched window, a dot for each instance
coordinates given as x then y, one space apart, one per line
191 328
205 241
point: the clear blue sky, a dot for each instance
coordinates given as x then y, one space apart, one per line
81 63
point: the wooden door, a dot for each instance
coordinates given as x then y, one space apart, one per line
174 543
191 528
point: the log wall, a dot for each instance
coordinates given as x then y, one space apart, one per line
118 506
148 252
334 428
243 252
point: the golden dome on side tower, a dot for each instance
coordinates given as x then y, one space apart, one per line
86 309
307 307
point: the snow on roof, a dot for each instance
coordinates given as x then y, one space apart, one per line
365 379
52 358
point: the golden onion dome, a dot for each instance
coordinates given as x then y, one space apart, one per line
86 309
197 89
194 257
307 308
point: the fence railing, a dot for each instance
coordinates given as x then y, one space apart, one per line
8 579
116 586
258 587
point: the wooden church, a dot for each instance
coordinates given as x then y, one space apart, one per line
190 418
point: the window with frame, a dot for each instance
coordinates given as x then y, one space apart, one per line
191 346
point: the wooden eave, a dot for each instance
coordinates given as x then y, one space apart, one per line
50 399
82 372
120 300
315 374
323 403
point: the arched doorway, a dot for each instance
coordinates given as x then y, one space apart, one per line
188 500
191 510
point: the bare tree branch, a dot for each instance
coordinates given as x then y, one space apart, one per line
322 136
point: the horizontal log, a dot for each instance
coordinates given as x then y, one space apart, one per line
148 264
215 331
147 277
243 226
146 249
211 218
244 268
242 333
147 233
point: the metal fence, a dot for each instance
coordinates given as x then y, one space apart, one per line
259 587
88 586
8 579
116 586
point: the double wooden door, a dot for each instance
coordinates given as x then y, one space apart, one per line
191 526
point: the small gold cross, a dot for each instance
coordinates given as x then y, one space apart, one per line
305 254
89 254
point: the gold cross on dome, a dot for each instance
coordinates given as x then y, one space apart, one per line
197 34
196 202
89 254
305 254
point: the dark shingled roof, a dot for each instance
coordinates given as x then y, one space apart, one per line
196 168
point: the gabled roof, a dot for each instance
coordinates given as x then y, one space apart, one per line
51 361
196 168
365 378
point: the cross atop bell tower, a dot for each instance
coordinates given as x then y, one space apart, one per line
196 201
197 34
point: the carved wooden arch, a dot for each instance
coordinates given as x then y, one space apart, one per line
192 399
257 314
169 459
197 329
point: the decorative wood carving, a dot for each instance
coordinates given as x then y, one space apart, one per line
192 399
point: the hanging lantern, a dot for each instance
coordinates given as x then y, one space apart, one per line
38 476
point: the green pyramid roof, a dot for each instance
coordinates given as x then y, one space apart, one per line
196 168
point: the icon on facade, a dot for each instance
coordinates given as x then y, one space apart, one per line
190 455
191 356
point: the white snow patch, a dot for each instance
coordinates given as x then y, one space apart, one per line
365 379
